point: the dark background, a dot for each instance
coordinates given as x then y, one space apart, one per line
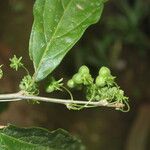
121 41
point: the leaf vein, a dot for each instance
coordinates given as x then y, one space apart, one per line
71 30
62 5
44 53
43 25
77 24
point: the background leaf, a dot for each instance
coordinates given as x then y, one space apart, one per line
58 25
15 138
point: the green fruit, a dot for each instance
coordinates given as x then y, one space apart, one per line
87 79
77 78
84 70
97 98
110 80
1 73
121 92
50 89
100 81
71 84
104 71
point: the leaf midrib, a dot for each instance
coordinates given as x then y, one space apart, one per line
73 29
52 35
77 24
45 37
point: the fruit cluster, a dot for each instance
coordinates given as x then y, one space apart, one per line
103 87
82 77
28 86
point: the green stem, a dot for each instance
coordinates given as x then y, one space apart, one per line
71 96
25 69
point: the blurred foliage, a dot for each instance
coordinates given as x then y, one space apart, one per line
3 106
17 6
125 25
12 137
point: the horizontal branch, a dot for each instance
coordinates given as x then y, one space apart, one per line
19 97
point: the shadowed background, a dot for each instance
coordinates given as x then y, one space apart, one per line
121 41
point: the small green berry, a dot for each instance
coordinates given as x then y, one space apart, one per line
54 85
110 80
71 84
97 97
84 70
50 89
1 72
100 81
77 78
121 92
87 79
104 71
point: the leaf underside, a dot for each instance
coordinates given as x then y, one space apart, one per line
14 138
58 25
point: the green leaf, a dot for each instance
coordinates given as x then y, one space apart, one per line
14 138
58 25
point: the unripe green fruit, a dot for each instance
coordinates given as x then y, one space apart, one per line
100 81
97 98
1 73
77 78
84 70
87 79
71 84
110 80
121 92
50 89
86 75
104 71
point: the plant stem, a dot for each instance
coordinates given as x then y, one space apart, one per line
19 96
